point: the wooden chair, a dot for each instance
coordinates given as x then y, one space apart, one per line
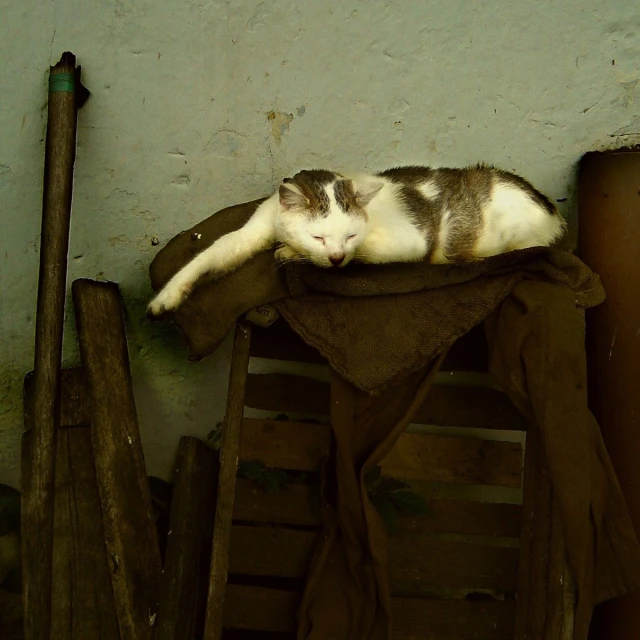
477 565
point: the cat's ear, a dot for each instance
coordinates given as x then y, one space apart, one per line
291 197
365 187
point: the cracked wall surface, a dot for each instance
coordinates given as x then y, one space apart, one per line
196 106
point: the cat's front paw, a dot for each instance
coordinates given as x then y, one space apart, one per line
285 254
168 300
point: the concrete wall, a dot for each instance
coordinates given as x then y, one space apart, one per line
198 105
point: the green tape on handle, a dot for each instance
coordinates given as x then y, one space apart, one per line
62 82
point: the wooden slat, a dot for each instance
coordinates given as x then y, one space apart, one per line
466 406
460 406
74 399
296 506
270 551
260 609
285 445
229 454
130 531
416 560
185 579
257 608
280 342
303 446
449 459
465 517
417 619
82 604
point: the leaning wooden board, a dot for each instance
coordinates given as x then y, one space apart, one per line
130 532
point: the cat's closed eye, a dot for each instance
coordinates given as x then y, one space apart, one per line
319 238
353 236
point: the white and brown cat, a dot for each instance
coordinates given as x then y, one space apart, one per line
406 214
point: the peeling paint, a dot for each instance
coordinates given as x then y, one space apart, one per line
280 122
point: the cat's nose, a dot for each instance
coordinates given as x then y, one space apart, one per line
336 260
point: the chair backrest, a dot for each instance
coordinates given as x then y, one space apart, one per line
456 570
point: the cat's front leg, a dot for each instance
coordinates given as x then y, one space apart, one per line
286 254
384 245
225 255
170 298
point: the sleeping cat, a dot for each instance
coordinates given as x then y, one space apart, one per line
405 214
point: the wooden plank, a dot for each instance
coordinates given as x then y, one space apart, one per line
82 604
416 561
466 406
449 459
465 517
270 551
257 608
130 531
303 446
280 342
284 444
260 609
295 506
229 454
185 579
38 488
417 619
460 406
75 407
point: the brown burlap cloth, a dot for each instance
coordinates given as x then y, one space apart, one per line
384 330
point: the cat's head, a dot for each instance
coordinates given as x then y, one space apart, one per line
323 216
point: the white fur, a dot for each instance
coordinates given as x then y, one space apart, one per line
429 190
388 233
513 221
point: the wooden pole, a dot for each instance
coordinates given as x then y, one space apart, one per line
37 512
229 452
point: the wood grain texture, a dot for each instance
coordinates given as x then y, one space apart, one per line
296 505
185 579
82 604
75 406
449 459
122 480
302 446
416 561
284 444
229 454
460 406
38 486
257 608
